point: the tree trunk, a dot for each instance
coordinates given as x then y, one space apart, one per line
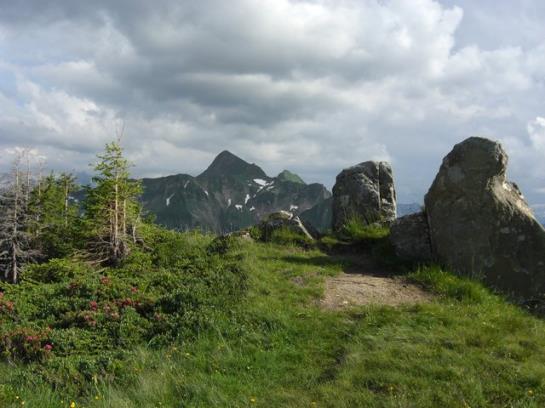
66 203
124 217
14 268
116 220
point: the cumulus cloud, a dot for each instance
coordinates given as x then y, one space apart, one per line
536 130
314 85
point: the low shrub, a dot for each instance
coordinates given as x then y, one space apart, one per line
169 293
25 343
286 236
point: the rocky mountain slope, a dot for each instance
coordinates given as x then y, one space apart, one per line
229 195
539 212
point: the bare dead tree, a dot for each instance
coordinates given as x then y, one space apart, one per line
15 239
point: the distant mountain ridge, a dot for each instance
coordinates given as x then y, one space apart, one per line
229 195
407 209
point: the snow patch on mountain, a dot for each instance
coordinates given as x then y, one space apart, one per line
168 199
261 182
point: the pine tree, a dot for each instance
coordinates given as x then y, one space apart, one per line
15 238
111 208
54 215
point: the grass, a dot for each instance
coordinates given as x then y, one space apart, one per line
357 230
277 348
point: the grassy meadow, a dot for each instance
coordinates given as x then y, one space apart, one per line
231 323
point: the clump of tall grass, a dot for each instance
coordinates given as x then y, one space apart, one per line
356 229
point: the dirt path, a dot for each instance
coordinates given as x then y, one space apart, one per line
364 286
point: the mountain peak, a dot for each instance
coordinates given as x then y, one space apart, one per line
227 155
287 175
228 164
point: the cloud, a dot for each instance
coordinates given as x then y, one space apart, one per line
536 130
314 85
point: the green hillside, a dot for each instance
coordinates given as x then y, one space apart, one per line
242 325
99 307
287 175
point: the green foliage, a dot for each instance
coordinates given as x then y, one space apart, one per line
223 244
255 233
357 230
207 334
285 351
287 236
446 284
56 270
64 308
193 320
25 344
112 211
55 217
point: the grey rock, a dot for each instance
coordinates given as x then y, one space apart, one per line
410 237
365 191
283 219
480 224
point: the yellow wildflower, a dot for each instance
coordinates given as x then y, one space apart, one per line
72 404
253 400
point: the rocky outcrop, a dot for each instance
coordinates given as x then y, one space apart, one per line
365 191
410 237
480 224
283 219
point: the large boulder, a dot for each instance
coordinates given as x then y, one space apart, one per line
410 237
365 191
480 224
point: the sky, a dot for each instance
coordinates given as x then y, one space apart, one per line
313 86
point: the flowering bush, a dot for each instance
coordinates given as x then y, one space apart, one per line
26 344
170 292
6 306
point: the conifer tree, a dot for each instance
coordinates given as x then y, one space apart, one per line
111 208
55 215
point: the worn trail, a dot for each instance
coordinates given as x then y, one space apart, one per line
364 285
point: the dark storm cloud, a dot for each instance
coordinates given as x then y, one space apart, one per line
310 85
